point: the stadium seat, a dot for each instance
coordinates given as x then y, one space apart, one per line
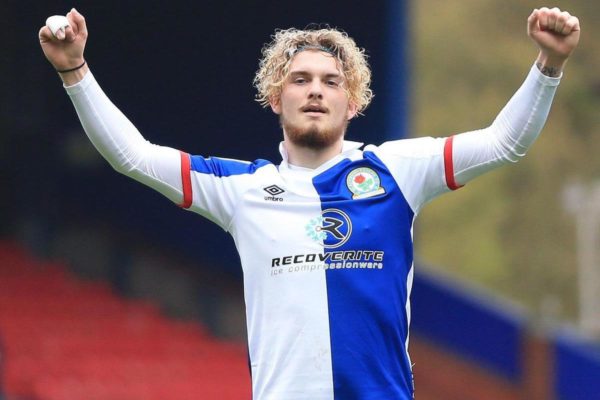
68 339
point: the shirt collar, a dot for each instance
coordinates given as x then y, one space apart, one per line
347 147
301 173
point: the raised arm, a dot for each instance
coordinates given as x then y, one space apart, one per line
113 135
556 33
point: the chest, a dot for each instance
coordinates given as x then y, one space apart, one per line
355 203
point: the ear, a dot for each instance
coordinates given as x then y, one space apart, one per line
275 103
352 111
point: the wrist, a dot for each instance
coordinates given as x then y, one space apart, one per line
550 65
73 75
65 70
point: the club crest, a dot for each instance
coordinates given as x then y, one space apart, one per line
364 182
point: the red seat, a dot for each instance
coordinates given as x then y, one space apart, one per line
67 339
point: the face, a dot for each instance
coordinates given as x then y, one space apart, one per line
313 106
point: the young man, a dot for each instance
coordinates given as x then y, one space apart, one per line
325 238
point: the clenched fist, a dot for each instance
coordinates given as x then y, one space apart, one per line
65 52
556 33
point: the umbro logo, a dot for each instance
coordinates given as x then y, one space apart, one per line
273 190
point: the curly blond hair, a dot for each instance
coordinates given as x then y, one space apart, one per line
278 54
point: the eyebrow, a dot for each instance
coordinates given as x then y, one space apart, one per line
305 73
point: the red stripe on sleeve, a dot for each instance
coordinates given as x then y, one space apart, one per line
186 180
449 165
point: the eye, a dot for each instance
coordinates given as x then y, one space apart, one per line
299 80
332 82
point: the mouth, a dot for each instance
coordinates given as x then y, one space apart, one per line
314 110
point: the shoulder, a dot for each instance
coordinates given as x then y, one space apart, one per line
225 167
410 148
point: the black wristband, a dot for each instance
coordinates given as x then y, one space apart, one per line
72 69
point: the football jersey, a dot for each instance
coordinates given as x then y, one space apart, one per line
327 258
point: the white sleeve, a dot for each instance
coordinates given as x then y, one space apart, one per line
511 134
427 167
122 145
210 187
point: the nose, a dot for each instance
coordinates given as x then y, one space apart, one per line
315 90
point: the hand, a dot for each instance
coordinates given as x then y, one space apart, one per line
67 52
555 32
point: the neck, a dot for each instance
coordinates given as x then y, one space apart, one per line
311 158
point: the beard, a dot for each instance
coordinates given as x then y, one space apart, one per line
311 136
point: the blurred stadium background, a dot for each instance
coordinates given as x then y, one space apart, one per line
109 292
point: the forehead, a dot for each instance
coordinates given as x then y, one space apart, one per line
314 61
